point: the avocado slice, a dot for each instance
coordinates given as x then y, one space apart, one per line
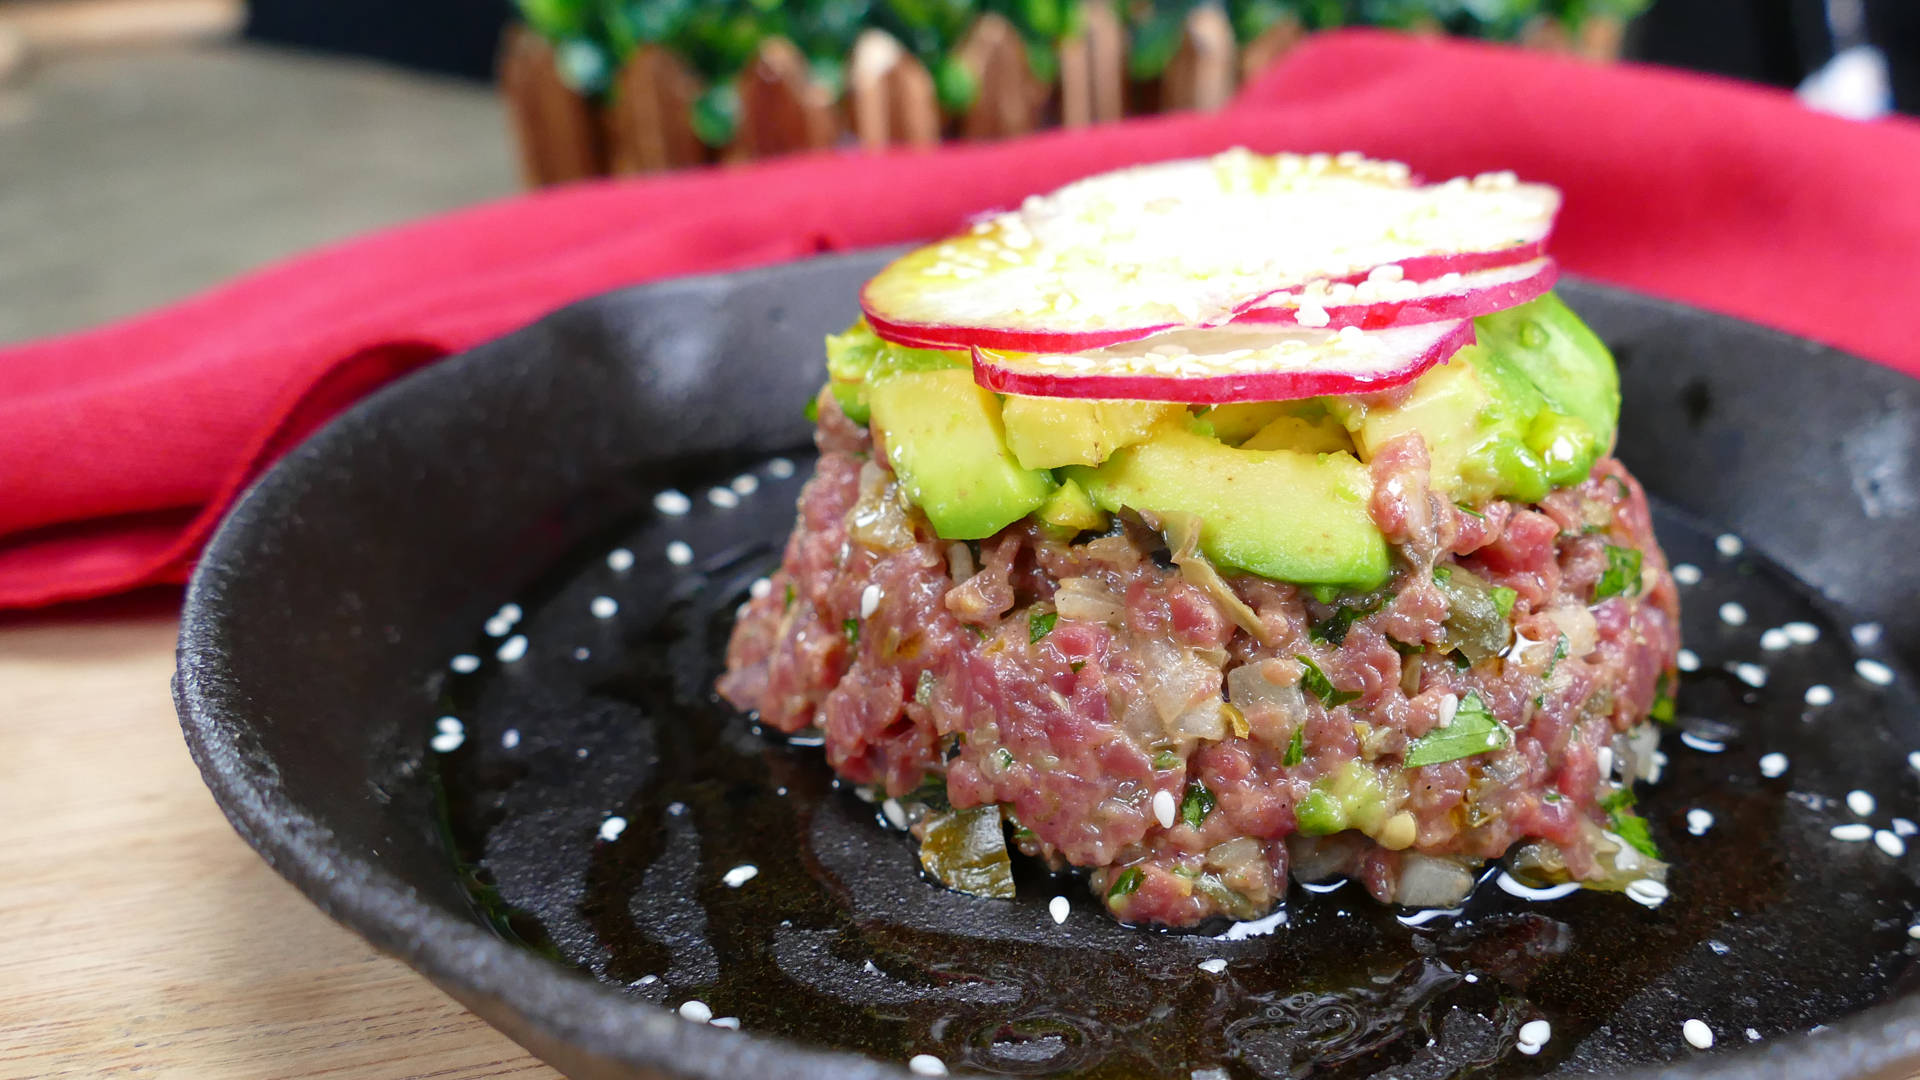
1069 508
945 443
1282 514
1322 436
1046 433
858 358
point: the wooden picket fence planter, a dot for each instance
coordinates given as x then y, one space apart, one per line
646 124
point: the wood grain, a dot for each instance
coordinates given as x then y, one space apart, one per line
144 938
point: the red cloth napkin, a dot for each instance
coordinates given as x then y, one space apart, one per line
121 447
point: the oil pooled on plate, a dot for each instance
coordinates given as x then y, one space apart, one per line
609 811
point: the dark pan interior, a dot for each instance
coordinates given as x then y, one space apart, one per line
318 632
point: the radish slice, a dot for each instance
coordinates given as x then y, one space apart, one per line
1224 364
1129 254
1384 298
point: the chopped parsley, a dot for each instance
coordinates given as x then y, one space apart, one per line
1465 509
851 628
1503 599
1559 654
1040 624
1473 731
1196 804
1076 666
1442 574
1296 747
790 595
1628 825
978 632
1663 703
1004 756
1317 683
1165 759
1125 884
812 411
1332 630
1622 577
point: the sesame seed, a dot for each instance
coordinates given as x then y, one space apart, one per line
1752 1035
695 1010
1728 545
1647 892
1752 674
672 503
926 1065
1698 1034
1819 694
1914 931
512 649
1449 708
1851 833
1773 766
645 980
449 724
1687 660
869 601
1775 639
745 484
1719 947
1213 966
510 738
1801 633
1866 635
1659 764
895 813
1686 574
1733 614
1874 671
1860 802
679 554
1702 743
1059 908
465 663
1534 1033
724 498
1699 821
760 589
731 1023
1889 843
611 829
780 468
740 875
604 607
1163 808
620 560
498 627
446 742
1603 762
1904 828
1913 761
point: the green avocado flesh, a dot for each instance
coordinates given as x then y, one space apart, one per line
1281 488
945 443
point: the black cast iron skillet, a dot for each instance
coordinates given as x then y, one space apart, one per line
315 658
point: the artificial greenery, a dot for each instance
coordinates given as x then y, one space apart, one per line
717 38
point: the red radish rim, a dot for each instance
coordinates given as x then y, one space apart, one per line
1214 389
951 337
1467 302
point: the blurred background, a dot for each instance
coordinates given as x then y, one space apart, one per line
150 148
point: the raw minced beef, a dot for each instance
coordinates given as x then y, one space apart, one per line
1072 681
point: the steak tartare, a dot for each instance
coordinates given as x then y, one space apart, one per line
1391 629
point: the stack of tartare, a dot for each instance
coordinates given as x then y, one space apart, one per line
1215 522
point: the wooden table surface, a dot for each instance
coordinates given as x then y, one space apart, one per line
143 937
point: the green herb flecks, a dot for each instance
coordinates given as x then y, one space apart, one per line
1125 884
1040 624
1332 630
1166 759
1317 683
1196 804
851 628
1622 576
1465 509
1503 599
1663 703
790 595
1005 757
1472 731
1296 747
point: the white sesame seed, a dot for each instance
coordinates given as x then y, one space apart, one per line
1851 833
745 484
1913 761
1699 1035
1904 828
1163 808
611 828
1449 708
1699 821
498 627
731 1023
1801 633
1213 966
1860 802
724 498
740 875
1773 766
1059 908
1535 1033
1686 574
672 503
1889 843
1647 892
926 1065
1752 1035
604 607
1728 545
1874 671
1603 762
780 468
1774 639
510 738
1527 1048
1657 767
679 554
465 663
760 588
446 742
449 724
869 601
1819 694
1866 635
1701 743
1733 614
645 980
619 560
695 1010
1687 660
1719 948
1752 674
512 649
896 814
676 808
1914 931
